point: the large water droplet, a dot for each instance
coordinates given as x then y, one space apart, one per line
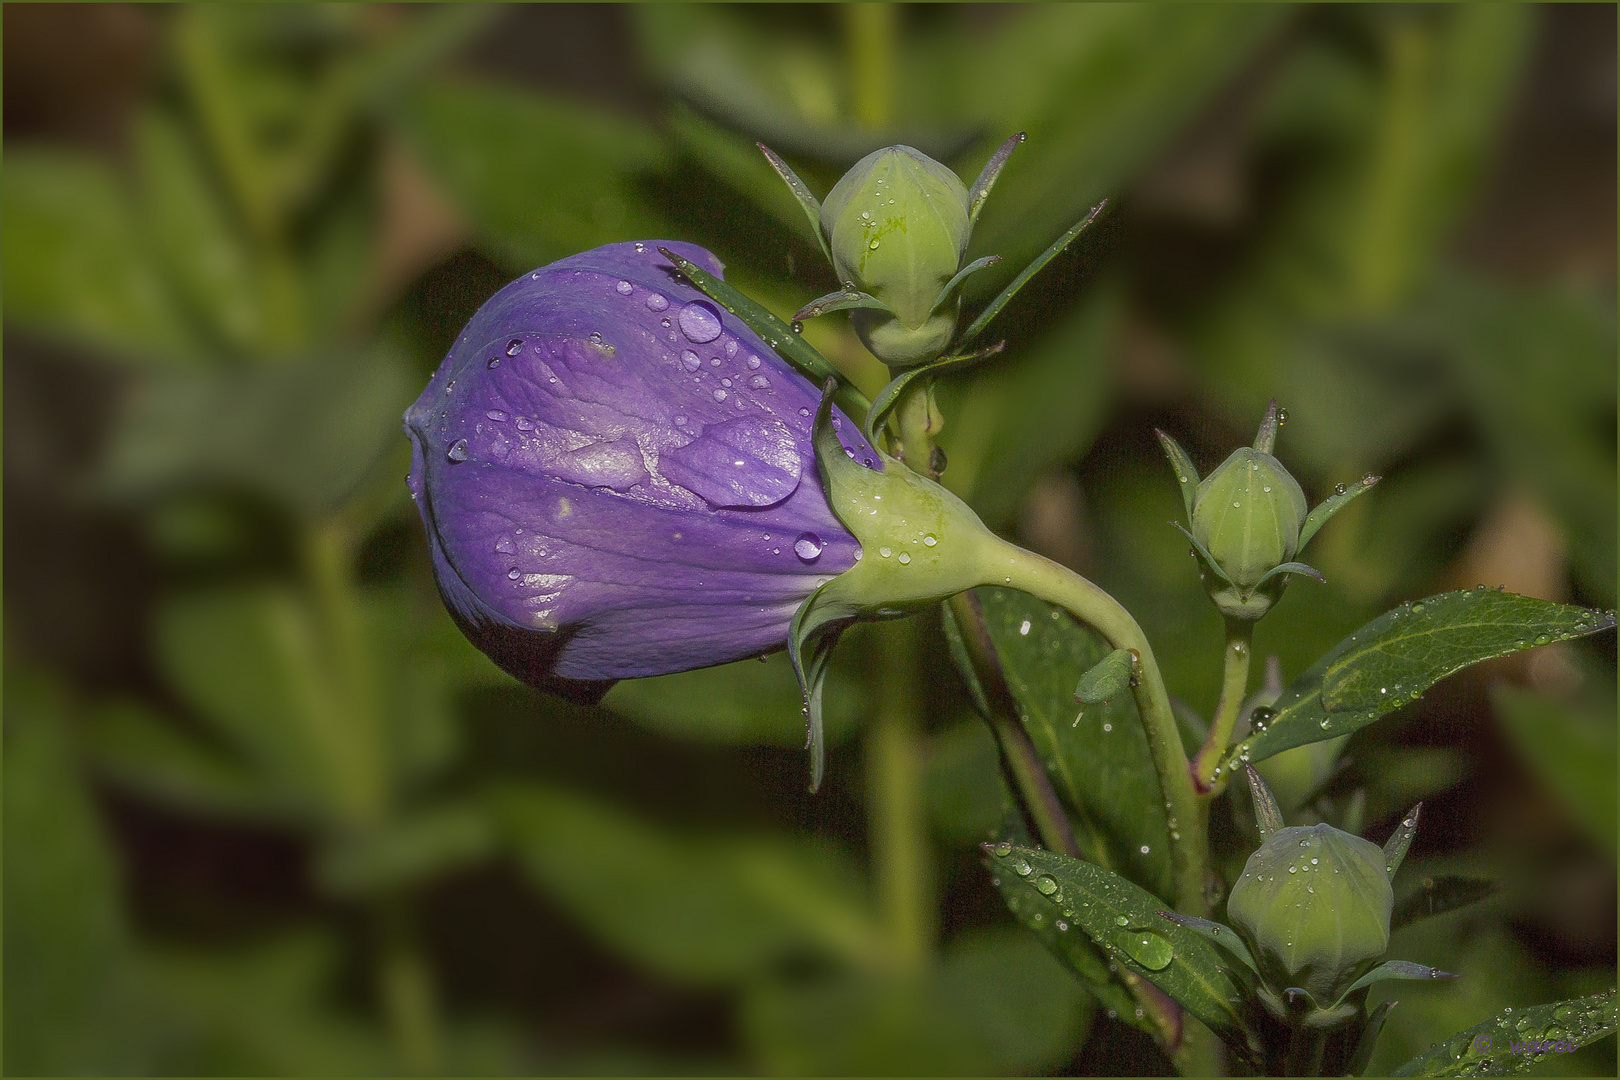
905 557
1046 884
753 362
514 346
1147 947
691 360
657 302
760 382
808 547
719 395
930 540
457 452
1003 849
624 288
700 322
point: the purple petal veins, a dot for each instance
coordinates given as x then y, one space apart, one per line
598 506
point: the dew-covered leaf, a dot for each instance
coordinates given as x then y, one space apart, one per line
1393 659
1045 890
1515 1040
1096 755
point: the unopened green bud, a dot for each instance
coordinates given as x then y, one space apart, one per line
897 227
1314 905
1249 519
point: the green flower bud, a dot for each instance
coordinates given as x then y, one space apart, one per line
1313 905
1249 519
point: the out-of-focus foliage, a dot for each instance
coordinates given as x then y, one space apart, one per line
266 811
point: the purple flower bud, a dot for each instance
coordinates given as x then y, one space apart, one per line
618 479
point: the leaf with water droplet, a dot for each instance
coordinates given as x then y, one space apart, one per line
1467 1052
1125 920
1349 686
1401 839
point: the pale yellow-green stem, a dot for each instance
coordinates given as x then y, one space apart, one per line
1234 687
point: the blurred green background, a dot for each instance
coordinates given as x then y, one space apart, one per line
265 810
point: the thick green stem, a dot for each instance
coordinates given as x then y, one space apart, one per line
899 828
1234 686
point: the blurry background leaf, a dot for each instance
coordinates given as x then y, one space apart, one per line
1571 749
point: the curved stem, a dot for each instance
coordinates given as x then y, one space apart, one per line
1234 685
1043 578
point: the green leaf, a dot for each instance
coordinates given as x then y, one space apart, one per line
1042 888
1107 679
1186 472
1332 505
840 300
1396 969
76 266
540 178
1097 756
1436 896
987 177
1393 659
993 308
746 703
967 797
1571 749
801 194
694 909
1487 1049
1401 839
1222 935
994 1004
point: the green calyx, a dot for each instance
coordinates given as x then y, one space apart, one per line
1248 519
919 544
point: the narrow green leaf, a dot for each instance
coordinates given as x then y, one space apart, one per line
1396 969
1361 1056
1042 887
1513 1042
1332 505
1401 839
801 192
1267 814
976 327
1186 474
1436 896
1220 934
1393 659
1265 440
776 333
889 396
1204 557
1097 757
1108 678
840 300
1291 568
987 175
962 275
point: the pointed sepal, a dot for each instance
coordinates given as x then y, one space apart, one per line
987 176
801 192
889 396
994 307
1401 839
1291 568
1268 816
1265 440
962 275
811 637
1204 556
841 300
1332 505
1395 969
1186 473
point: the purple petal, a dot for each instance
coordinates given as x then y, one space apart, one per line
616 476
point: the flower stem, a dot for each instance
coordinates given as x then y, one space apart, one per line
1234 685
900 852
1043 578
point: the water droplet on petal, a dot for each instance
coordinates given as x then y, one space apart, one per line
885 552
700 322
904 558
719 395
514 573
753 362
759 382
513 346
494 362
930 540
690 360
624 288
457 452
657 302
808 547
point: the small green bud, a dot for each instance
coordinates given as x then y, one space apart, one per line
1313 904
897 227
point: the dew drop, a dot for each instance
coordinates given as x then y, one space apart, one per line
873 245
700 322
930 540
808 547
514 573
1282 416
1003 849
624 288
885 552
457 452
719 395
1023 628
657 302
1339 489
513 346
904 558
1046 884
1148 948
496 415
494 362
690 360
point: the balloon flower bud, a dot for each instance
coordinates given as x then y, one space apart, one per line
1310 916
1313 903
896 228
1249 520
